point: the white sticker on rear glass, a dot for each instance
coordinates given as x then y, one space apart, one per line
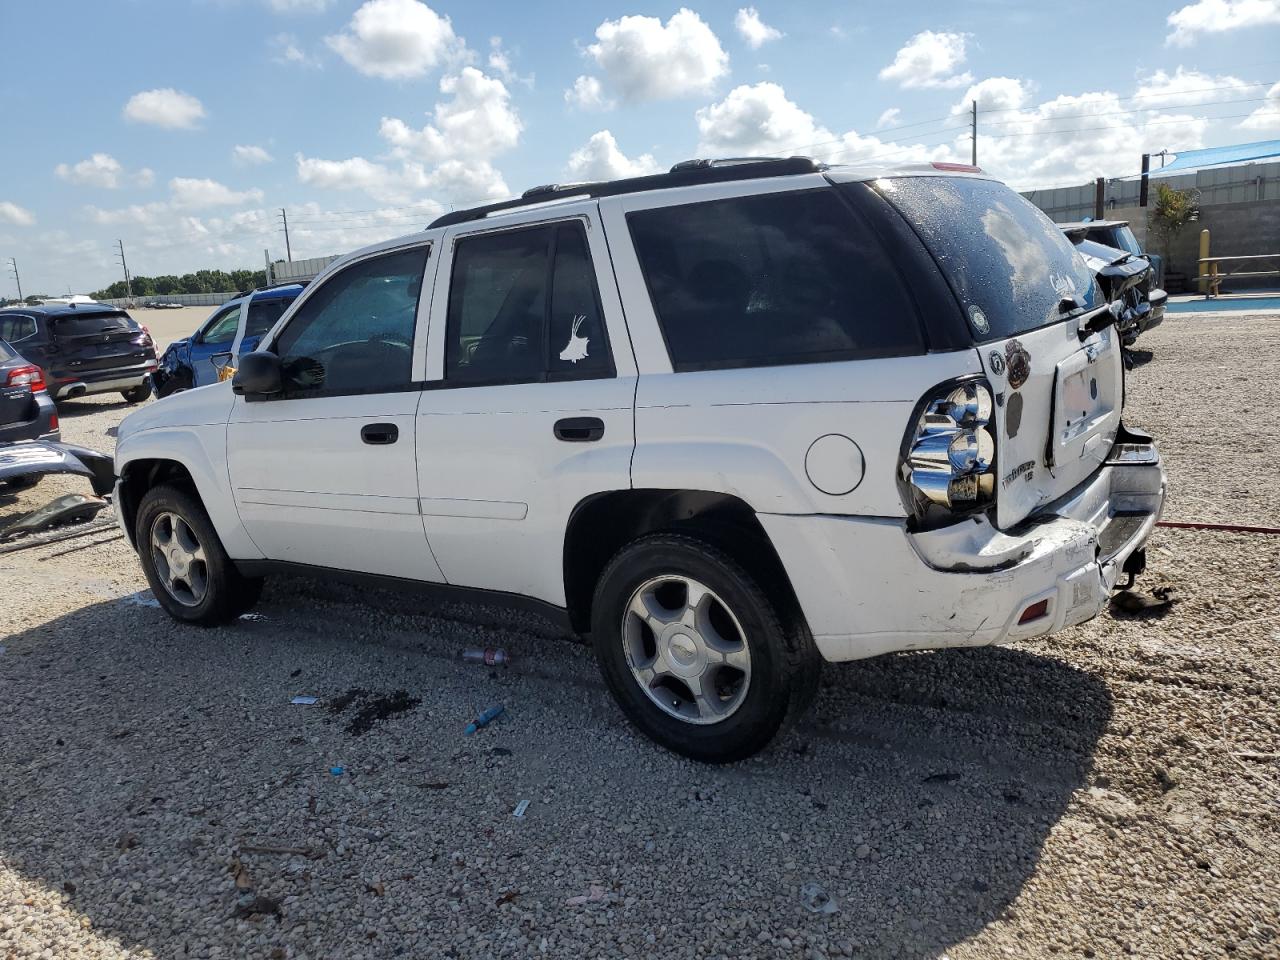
979 319
576 348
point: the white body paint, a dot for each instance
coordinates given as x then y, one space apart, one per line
479 493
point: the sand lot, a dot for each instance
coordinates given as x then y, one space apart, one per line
1111 791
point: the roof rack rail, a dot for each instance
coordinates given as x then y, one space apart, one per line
683 174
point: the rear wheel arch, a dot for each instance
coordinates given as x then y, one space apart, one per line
602 525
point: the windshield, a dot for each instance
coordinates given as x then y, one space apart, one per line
1009 264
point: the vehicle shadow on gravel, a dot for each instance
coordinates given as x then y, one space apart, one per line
147 768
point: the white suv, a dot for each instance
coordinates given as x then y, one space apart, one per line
731 421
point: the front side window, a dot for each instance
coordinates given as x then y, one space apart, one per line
772 279
523 307
223 328
355 333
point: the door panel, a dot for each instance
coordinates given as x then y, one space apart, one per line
497 485
311 490
326 474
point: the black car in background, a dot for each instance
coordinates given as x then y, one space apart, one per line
26 410
83 348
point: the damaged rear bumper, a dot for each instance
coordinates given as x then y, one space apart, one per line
869 586
35 457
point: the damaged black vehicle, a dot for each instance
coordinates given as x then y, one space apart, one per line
1127 279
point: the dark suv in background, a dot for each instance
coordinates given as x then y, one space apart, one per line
83 348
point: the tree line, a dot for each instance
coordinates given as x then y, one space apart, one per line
202 281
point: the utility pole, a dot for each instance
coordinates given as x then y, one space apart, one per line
128 287
973 135
1145 186
18 280
288 253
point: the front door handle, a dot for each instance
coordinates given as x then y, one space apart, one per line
579 429
379 433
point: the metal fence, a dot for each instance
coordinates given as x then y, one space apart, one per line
1232 184
186 299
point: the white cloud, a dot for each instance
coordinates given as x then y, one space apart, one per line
1071 139
994 93
889 118
643 59
1187 24
587 94
601 159
454 180
1267 116
102 170
1186 87
164 107
755 32
298 6
395 39
190 193
18 216
249 155
500 64
930 59
477 123
760 120
289 51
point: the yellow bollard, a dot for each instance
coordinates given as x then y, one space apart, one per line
1204 267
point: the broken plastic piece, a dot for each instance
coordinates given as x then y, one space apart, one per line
484 719
336 771
143 598
305 701
815 899
521 807
71 508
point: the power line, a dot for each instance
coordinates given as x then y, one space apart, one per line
1117 113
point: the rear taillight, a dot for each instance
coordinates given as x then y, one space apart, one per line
949 457
28 376
53 421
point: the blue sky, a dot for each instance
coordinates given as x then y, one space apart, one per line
181 128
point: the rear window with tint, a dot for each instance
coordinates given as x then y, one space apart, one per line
87 324
1010 265
263 315
772 279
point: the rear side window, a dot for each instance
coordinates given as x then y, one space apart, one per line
263 315
88 324
772 279
15 328
523 308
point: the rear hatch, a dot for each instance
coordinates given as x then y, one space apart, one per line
99 340
1023 289
17 405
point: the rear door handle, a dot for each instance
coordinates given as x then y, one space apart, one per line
379 433
579 429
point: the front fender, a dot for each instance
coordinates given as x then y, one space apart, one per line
201 451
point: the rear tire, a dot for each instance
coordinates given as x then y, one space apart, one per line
696 652
189 572
136 394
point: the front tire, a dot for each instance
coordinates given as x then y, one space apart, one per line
136 394
188 570
695 651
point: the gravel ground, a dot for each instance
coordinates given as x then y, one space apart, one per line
1111 791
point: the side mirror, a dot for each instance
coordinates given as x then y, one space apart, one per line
258 375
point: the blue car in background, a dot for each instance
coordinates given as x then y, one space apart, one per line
232 329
